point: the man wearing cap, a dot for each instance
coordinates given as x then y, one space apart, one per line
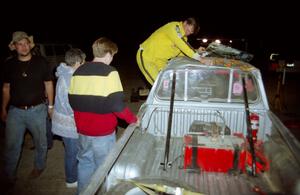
26 78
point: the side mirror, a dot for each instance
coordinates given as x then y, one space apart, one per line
274 56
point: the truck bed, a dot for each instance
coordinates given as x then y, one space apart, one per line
141 145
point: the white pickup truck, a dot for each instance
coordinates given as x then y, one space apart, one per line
205 129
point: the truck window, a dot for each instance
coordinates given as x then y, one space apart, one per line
237 88
207 86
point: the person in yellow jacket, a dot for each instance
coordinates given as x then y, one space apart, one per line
165 43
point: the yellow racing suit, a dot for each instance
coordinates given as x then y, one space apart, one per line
165 43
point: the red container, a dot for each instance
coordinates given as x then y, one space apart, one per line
211 154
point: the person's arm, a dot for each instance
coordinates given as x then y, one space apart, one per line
62 95
176 35
127 115
5 100
50 93
123 111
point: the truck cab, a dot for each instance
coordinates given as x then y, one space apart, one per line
53 52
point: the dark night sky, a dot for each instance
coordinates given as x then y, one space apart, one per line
268 28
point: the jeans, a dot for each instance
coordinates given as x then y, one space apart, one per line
49 132
92 153
18 120
71 162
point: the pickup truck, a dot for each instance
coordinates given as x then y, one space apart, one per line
204 129
53 52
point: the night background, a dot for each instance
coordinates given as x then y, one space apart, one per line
263 27
258 27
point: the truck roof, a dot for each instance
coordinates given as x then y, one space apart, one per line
184 62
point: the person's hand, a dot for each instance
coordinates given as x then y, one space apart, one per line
138 122
3 115
201 49
50 112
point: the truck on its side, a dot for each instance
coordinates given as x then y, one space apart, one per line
204 129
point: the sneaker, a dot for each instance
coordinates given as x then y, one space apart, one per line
71 185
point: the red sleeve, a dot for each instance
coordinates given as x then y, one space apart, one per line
126 115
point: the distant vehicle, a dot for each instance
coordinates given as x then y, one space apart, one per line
280 62
204 129
53 52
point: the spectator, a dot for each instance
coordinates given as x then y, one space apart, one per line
26 78
96 96
63 123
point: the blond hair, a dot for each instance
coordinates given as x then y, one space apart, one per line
102 46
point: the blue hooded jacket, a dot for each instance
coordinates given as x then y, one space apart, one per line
63 123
